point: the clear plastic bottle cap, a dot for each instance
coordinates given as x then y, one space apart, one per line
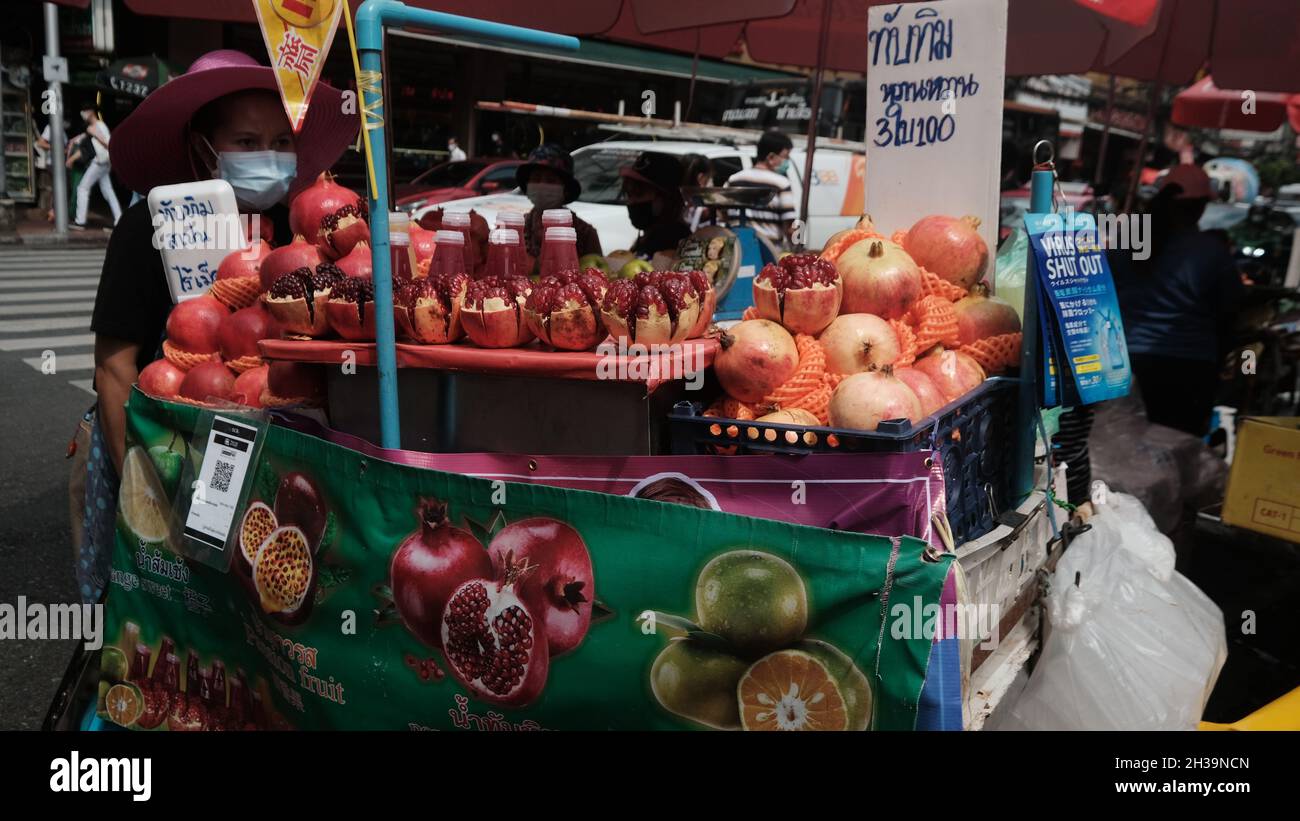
557 216
560 233
455 219
450 237
504 236
511 219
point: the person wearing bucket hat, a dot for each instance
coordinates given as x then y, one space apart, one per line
548 182
652 188
221 119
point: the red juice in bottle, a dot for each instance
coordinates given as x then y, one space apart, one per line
140 663
502 258
192 673
557 218
399 245
559 250
516 222
167 648
171 674
219 682
449 254
460 221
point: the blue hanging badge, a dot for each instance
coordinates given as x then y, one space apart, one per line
1082 329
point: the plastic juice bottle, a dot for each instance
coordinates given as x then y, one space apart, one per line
449 254
559 250
557 218
502 260
167 648
192 674
140 663
515 221
512 219
219 682
460 221
399 245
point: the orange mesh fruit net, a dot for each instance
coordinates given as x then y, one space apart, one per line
995 353
897 237
244 363
935 322
853 237
237 293
184 359
270 400
907 344
934 285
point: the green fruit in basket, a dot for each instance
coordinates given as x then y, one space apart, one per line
634 267
854 687
112 665
698 683
594 261
141 501
754 600
168 463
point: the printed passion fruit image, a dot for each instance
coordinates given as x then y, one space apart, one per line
745 663
280 547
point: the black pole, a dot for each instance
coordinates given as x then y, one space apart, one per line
815 116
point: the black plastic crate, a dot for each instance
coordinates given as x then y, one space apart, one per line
974 437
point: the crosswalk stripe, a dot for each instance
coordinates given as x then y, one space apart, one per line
8 284
52 271
77 307
86 385
32 343
65 362
38 296
52 324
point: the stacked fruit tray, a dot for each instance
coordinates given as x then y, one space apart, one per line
973 437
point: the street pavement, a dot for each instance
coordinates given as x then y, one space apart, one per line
46 366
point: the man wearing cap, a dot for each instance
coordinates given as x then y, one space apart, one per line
651 186
548 182
1178 301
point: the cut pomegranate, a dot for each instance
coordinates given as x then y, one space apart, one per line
428 566
802 292
564 310
493 314
428 309
562 588
297 300
655 308
351 309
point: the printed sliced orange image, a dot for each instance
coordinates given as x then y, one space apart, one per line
791 690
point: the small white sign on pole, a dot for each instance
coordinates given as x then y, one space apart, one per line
196 224
935 76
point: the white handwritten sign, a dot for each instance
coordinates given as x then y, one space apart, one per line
196 224
934 111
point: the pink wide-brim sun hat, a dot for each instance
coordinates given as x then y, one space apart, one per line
151 147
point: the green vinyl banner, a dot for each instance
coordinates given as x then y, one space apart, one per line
366 594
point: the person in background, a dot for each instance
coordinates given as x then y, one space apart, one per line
548 182
497 146
652 188
454 152
1178 305
697 172
99 172
773 221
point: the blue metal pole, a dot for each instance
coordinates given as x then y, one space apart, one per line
371 19
1040 202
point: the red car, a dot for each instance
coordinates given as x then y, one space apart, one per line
457 180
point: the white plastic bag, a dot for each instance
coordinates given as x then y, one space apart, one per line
1134 646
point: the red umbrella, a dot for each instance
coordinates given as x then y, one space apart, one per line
1204 105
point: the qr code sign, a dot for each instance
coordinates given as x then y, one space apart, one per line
221 476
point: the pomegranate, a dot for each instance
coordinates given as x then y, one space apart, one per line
703 286
864 400
208 381
859 342
802 292
564 310
950 247
561 590
351 309
297 300
494 645
294 383
241 331
864 223
245 263
879 278
924 388
656 307
161 379
954 373
756 357
331 216
287 258
428 566
422 244
493 314
980 316
249 386
428 310
358 262
194 325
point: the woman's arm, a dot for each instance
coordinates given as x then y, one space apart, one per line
115 373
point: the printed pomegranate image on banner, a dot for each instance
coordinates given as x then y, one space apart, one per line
366 593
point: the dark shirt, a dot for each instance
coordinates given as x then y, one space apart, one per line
658 238
1179 303
133 300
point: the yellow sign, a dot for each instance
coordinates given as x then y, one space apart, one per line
1264 486
298 34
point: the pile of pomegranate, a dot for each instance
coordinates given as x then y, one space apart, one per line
875 328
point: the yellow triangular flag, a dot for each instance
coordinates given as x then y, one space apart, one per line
298 34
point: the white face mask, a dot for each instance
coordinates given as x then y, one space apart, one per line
260 178
545 194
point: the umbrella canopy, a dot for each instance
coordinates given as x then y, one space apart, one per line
135 77
1204 105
